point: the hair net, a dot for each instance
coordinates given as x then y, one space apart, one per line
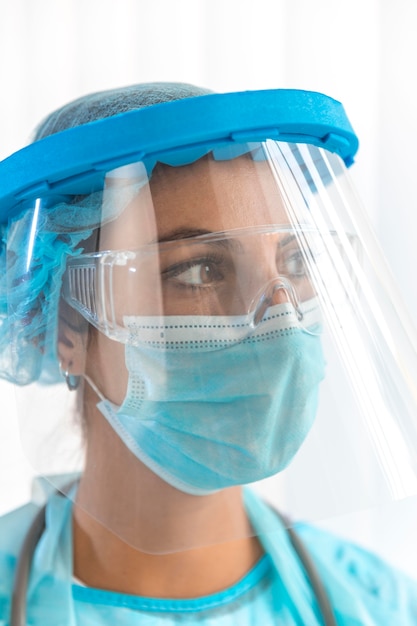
29 299
103 104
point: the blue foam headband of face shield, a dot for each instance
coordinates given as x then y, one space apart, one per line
75 161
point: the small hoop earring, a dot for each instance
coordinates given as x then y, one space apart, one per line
73 382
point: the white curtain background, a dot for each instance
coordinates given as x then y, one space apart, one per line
361 52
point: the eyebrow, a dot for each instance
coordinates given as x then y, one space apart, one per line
286 240
189 233
183 233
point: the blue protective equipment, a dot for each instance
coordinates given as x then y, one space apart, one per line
363 590
103 104
235 429
55 203
60 177
29 296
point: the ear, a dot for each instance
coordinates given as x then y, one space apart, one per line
72 349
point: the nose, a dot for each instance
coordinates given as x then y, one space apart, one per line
276 291
277 294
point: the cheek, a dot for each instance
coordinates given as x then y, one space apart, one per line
106 366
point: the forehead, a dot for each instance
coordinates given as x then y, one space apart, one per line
207 196
216 195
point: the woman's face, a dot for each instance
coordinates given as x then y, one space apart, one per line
178 274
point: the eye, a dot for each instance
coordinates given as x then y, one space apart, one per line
200 274
292 265
197 273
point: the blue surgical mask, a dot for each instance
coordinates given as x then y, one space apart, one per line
207 409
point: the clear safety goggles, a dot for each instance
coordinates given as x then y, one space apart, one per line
239 273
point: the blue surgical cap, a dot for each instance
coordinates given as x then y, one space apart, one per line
103 104
30 293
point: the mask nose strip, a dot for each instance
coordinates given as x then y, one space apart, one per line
267 298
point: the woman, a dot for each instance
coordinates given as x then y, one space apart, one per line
185 274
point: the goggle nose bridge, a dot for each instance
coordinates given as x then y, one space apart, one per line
264 299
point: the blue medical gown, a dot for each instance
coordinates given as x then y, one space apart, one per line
364 591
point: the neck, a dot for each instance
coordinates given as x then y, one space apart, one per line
105 561
134 533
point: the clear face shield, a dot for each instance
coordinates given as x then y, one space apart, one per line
224 322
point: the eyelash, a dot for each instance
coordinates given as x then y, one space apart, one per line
179 268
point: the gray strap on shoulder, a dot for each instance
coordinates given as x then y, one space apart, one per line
310 569
21 581
314 578
18 607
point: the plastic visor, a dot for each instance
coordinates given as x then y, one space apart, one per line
232 321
